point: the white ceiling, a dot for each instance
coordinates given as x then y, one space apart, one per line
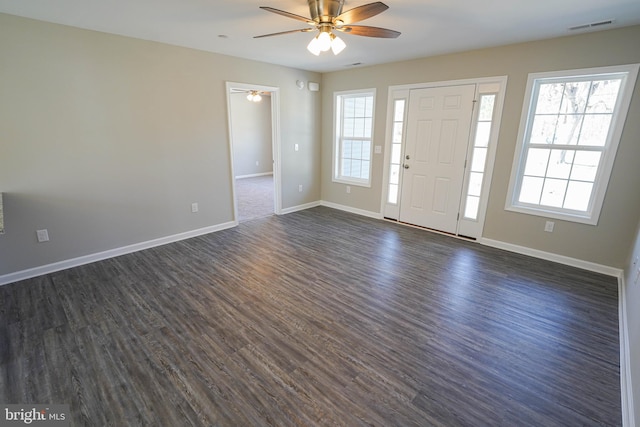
428 27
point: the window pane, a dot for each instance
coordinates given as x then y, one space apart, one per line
366 150
471 207
585 166
356 167
346 148
560 163
531 190
475 183
604 94
367 127
479 158
356 151
397 132
347 127
349 107
398 115
358 127
364 170
578 195
595 130
575 97
483 132
346 167
549 98
486 107
567 129
396 153
369 106
553 192
537 159
393 194
394 178
543 129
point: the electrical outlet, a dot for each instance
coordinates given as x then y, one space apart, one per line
194 207
257 162
348 189
378 149
296 147
548 227
300 188
43 235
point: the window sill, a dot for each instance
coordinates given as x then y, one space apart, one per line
581 219
357 183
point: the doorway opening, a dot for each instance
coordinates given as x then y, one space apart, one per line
254 146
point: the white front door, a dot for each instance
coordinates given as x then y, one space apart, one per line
438 124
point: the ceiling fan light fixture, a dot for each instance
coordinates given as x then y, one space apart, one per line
324 41
314 47
254 96
337 45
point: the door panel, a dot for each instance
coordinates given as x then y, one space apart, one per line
438 126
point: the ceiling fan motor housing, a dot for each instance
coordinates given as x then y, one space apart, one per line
323 11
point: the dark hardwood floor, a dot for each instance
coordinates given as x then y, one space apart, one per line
318 317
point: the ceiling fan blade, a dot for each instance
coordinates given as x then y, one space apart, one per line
361 13
303 30
288 15
363 30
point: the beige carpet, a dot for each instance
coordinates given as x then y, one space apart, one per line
255 197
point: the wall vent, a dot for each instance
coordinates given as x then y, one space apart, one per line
592 25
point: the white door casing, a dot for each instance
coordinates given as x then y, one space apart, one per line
438 125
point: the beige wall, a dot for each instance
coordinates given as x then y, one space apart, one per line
251 135
603 244
632 302
106 140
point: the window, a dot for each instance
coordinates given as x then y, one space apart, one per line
569 133
396 150
479 155
353 137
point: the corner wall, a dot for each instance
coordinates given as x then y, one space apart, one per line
632 310
107 140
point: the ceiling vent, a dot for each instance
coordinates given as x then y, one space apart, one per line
592 25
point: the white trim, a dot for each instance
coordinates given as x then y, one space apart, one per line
299 208
626 382
336 163
111 253
362 212
275 141
254 175
629 76
549 256
494 84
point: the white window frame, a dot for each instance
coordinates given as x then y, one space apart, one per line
591 215
337 130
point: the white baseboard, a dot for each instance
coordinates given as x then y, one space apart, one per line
370 214
299 208
573 262
99 256
626 383
254 175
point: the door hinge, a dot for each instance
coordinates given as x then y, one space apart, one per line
458 217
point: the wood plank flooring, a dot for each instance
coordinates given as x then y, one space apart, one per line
316 318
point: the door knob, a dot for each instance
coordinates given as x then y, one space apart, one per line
407 157
406 166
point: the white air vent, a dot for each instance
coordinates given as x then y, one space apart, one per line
592 25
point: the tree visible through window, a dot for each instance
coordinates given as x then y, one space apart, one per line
353 143
568 144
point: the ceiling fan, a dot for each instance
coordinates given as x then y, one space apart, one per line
327 16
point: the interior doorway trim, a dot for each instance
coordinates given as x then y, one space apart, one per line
275 141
